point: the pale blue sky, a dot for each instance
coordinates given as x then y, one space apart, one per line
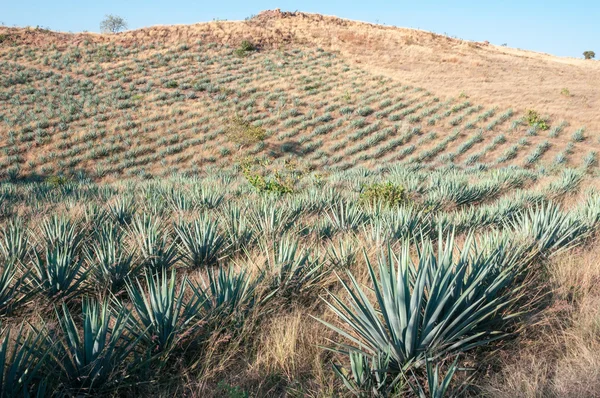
565 28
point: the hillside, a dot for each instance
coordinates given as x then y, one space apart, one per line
163 99
296 206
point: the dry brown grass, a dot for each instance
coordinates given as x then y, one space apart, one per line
563 358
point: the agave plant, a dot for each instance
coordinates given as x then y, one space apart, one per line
161 314
58 269
15 286
94 356
346 216
209 197
224 292
406 222
438 305
343 253
22 364
122 210
272 220
367 376
200 241
111 262
293 270
553 230
153 242
237 228
436 388
14 241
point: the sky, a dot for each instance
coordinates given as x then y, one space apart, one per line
564 28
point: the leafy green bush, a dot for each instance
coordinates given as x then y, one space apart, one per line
244 133
535 120
385 192
57 181
589 54
245 48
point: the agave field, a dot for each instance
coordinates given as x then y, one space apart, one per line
106 110
201 220
112 287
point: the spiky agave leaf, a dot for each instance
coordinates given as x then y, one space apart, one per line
94 356
160 319
346 216
436 387
111 262
223 292
368 376
553 230
238 231
343 253
58 269
122 209
293 269
15 286
199 241
21 363
271 220
441 304
152 239
14 241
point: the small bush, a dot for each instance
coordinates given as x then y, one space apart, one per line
589 55
385 192
244 133
535 120
57 181
245 48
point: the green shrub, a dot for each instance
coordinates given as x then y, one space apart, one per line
386 192
535 120
589 54
245 48
244 133
57 181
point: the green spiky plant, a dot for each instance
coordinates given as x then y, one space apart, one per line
14 241
15 286
58 269
223 292
152 239
161 316
553 230
438 305
111 262
436 387
22 363
96 355
199 242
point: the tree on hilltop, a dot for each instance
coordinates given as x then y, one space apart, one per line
589 55
112 24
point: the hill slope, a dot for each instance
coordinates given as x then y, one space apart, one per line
167 98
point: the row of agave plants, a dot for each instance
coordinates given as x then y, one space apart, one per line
117 286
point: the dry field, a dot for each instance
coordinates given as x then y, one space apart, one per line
296 205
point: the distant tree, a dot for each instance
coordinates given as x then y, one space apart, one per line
589 55
112 24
